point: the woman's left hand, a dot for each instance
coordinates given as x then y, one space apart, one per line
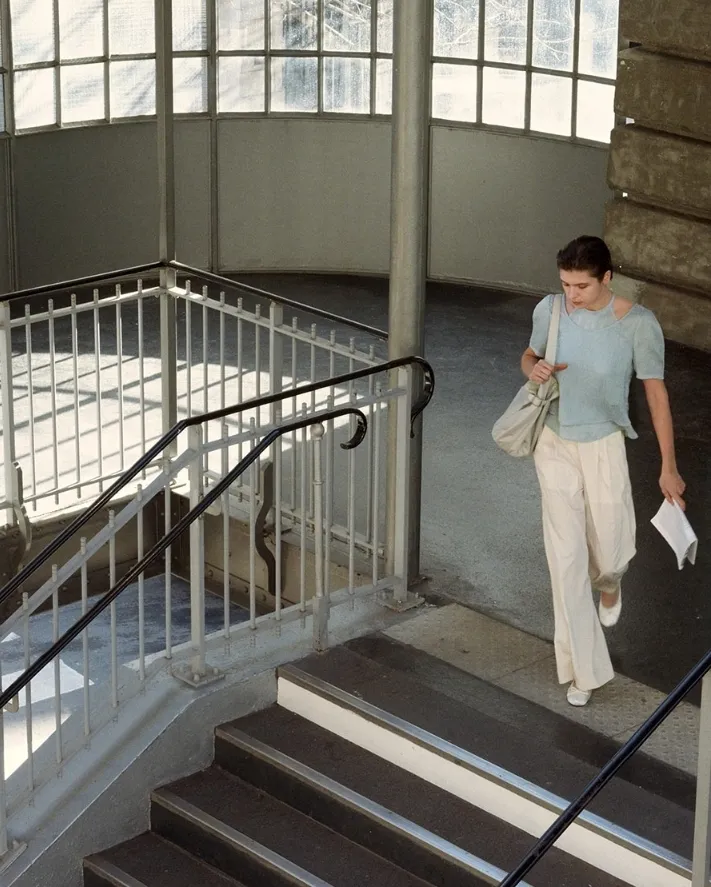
673 487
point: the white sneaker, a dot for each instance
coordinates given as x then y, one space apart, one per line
578 697
609 616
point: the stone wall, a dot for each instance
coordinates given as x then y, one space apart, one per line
659 223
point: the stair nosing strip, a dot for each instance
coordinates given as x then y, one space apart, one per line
499 775
442 848
269 858
102 867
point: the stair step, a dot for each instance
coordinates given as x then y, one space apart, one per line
249 834
496 766
150 861
552 730
414 823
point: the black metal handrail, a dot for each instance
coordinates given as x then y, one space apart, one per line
214 493
80 281
228 283
130 473
633 744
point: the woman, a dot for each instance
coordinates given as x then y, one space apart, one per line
588 514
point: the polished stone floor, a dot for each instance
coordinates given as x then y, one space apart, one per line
481 532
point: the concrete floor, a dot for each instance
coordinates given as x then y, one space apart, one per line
481 532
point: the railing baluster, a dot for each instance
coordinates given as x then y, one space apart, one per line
319 603
304 517
312 378
99 423
31 403
141 372
223 368
189 348
351 505
75 368
141 590
57 674
375 488
112 582
205 374
53 400
226 534
240 382
8 402
258 358
294 383
370 465
119 381
85 638
28 693
328 525
167 524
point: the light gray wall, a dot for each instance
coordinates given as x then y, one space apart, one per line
301 195
87 199
304 195
501 205
5 275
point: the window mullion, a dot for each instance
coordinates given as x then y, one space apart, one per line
576 67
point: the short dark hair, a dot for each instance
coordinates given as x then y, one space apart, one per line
586 253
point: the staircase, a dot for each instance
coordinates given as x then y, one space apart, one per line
382 766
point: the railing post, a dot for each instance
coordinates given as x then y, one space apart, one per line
399 496
197 672
276 357
702 828
320 603
8 406
168 355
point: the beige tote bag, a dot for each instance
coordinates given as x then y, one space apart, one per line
518 430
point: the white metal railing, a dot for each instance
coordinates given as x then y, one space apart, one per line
86 380
161 621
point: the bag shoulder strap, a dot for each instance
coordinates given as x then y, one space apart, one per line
552 344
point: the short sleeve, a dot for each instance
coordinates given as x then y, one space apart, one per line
541 324
648 353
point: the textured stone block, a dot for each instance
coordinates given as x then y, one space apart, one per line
662 169
659 246
685 317
665 93
680 27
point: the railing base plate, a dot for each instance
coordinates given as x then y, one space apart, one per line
7 859
393 601
187 674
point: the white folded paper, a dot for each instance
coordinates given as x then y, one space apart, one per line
672 523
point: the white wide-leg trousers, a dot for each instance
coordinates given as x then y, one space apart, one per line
589 532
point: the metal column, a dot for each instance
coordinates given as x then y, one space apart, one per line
166 192
409 232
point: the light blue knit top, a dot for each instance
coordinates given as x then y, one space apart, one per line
602 353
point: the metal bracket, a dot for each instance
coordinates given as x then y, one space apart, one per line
398 601
11 854
187 675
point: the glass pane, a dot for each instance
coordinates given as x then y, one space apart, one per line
294 84
506 29
456 28
189 25
346 85
240 24
385 25
596 115
35 100
598 37
241 85
32 31
131 27
190 85
504 98
553 34
81 28
346 25
82 91
133 88
384 86
552 104
454 92
294 24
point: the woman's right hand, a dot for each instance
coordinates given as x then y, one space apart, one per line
542 371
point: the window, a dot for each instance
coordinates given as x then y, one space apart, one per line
535 66
542 66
